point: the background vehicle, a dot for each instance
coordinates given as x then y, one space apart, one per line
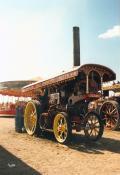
109 106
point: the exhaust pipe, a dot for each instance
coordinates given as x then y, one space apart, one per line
76 47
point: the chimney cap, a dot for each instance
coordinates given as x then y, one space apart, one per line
76 27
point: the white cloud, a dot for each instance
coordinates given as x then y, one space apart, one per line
111 33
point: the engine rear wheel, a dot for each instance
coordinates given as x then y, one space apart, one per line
94 126
62 128
31 116
110 112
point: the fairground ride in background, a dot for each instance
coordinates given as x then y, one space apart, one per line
10 94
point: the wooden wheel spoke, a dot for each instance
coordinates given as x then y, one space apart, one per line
97 122
114 111
95 129
91 131
92 119
114 120
107 109
94 132
115 117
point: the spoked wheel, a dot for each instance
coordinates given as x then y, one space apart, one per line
93 126
110 112
31 117
62 128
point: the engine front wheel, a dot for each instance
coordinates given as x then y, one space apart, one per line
94 126
62 128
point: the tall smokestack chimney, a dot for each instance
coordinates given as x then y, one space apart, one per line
76 47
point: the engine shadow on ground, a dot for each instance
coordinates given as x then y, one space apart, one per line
82 144
105 144
11 165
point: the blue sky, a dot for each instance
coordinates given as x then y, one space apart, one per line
36 36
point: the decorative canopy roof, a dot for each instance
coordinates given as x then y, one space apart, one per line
104 71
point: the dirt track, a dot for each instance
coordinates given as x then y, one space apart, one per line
21 154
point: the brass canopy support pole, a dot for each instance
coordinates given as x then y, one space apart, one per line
102 85
87 84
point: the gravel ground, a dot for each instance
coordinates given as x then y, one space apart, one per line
21 154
